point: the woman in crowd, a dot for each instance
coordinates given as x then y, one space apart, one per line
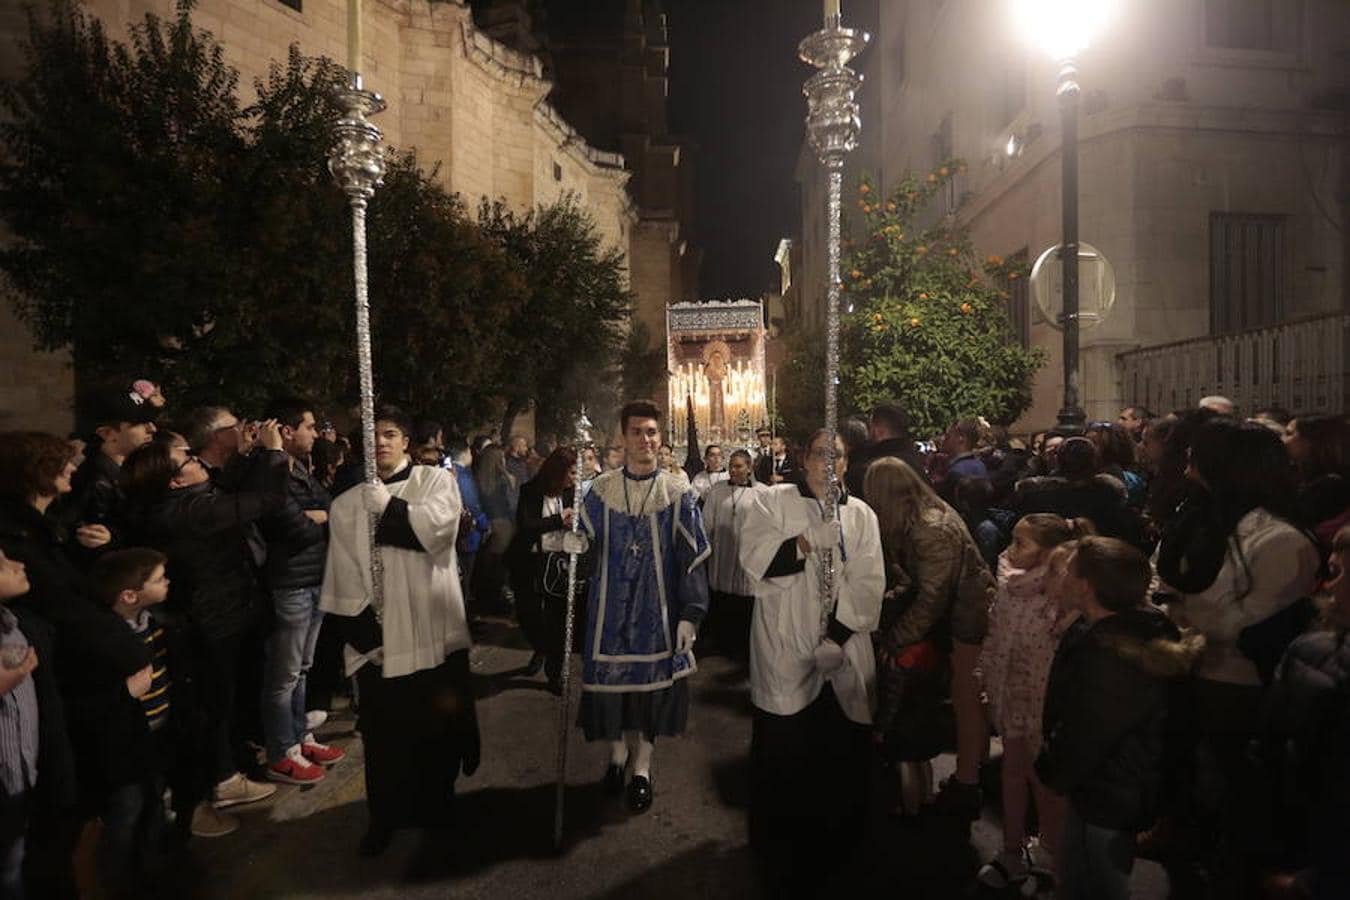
39 816
1319 447
1240 572
1116 452
812 674
725 507
938 595
499 494
537 563
174 507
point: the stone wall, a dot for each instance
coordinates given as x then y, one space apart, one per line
464 102
1172 130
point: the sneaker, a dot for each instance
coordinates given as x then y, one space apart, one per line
315 718
1041 869
322 754
237 789
1004 871
294 768
209 823
955 798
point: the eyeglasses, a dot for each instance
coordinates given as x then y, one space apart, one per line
191 458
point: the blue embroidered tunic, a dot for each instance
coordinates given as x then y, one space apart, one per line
647 536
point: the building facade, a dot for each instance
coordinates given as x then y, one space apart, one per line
1214 176
471 106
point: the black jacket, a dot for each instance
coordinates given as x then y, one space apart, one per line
95 498
297 548
84 651
531 523
1105 710
1099 499
202 531
902 449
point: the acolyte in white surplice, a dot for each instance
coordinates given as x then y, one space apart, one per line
423 618
786 626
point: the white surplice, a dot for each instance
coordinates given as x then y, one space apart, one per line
725 508
423 615
787 618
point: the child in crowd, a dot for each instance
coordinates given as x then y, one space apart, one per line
18 730
1015 666
1105 708
1309 715
141 737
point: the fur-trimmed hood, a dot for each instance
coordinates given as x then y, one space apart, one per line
1147 639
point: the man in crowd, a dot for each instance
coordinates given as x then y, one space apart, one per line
960 443
1133 419
713 472
889 433
1221 405
117 422
614 458
474 523
297 539
518 459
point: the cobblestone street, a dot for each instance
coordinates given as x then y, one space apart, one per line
691 844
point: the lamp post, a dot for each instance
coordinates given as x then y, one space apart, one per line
1064 28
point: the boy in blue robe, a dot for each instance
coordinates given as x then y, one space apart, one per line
648 594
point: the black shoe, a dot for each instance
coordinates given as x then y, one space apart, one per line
614 779
640 794
959 800
376 840
535 665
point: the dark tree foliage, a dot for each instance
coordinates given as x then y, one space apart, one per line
160 229
556 353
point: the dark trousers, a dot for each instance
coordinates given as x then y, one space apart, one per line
417 731
325 677
727 628
13 827
132 847
810 774
218 687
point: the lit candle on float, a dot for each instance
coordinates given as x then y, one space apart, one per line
354 36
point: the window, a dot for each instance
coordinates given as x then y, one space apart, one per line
1248 276
942 142
1019 301
1243 24
557 172
293 4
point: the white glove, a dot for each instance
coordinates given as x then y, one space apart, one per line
823 536
685 635
575 542
829 657
375 497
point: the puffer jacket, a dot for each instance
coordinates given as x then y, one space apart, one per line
297 547
951 585
1105 714
1308 715
202 531
1100 499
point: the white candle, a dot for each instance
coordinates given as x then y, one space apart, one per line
831 11
354 35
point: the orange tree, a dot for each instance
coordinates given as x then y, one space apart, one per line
929 325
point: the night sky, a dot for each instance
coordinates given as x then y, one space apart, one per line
736 91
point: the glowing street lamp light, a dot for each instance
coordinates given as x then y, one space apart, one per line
1063 29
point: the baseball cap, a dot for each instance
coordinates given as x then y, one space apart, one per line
112 406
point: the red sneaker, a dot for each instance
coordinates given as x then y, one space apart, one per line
321 754
294 769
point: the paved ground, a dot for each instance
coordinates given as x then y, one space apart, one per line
692 843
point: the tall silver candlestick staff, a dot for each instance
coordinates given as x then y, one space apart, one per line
357 163
832 125
569 626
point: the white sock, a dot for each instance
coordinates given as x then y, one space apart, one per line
642 759
618 753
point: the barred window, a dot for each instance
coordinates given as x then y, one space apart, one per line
1248 277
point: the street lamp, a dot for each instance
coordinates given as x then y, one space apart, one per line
1063 29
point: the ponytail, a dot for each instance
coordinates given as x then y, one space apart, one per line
1049 530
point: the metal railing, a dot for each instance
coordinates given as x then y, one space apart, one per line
1303 366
